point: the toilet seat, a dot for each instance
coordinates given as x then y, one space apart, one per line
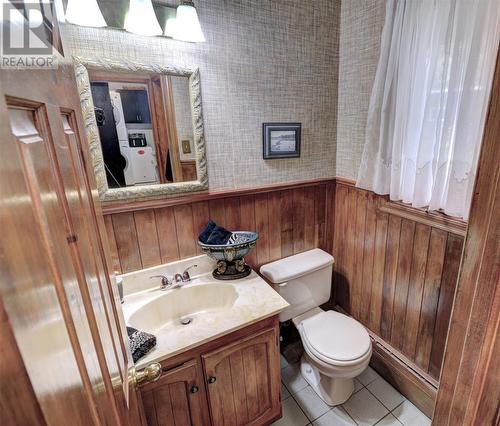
335 338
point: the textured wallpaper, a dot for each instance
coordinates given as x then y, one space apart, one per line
360 31
182 106
264 60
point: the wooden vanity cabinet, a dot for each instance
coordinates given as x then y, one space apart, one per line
177 398
237 380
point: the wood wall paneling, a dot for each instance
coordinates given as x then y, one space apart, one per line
167 234
288 221
396 275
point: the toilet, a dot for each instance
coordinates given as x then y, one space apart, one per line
337 348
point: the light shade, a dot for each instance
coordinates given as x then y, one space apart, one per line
171 27
170 21
141 19
85 13
187 26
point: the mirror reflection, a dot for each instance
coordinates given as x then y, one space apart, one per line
145 127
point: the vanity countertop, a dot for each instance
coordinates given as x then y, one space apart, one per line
216 308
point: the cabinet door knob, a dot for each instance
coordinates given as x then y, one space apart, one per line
194 389
212 379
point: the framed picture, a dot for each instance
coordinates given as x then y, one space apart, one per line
281 140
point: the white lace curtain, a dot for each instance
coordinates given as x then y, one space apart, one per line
429 102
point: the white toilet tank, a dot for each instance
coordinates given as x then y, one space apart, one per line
304 280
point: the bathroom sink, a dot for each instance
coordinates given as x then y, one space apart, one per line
183 306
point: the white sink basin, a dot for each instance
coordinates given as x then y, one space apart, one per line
183 305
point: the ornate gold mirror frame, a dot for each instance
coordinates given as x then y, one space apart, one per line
140 192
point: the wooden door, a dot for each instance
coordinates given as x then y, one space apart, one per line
243 381
60 310
177 398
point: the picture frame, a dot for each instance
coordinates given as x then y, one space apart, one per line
281 140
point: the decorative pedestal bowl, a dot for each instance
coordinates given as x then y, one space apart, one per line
230 257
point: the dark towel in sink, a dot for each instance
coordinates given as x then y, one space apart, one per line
140 343
215 235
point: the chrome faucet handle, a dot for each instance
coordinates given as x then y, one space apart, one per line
165 282
185 274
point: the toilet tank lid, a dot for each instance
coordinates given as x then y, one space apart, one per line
295 266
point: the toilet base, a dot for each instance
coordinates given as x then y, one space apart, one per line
334 391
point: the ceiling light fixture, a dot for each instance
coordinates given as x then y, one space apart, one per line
187 25
85 13
141 19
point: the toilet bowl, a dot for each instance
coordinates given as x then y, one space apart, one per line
337 348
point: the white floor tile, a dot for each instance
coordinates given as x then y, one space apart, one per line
357 385
335 417
364 408
389 420
385 393
410 415
311 403
284 392
368 376
292 415
292 378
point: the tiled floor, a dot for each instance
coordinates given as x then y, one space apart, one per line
374 401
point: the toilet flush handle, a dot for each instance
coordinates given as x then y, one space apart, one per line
282 284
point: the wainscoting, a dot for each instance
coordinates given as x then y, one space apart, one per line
395 266
396 272
289 219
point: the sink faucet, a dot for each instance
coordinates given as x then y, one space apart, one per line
165 282
177 280
185 275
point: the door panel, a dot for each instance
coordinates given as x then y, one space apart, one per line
91 206
55 285
36 270
177 398
244 381
85 251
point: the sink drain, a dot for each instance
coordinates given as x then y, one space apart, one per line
186 321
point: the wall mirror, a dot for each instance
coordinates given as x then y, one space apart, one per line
145 128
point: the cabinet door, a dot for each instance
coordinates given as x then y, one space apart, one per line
244 381
135 106
177 398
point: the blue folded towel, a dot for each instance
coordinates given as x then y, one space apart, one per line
205 234
214 234
219 236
